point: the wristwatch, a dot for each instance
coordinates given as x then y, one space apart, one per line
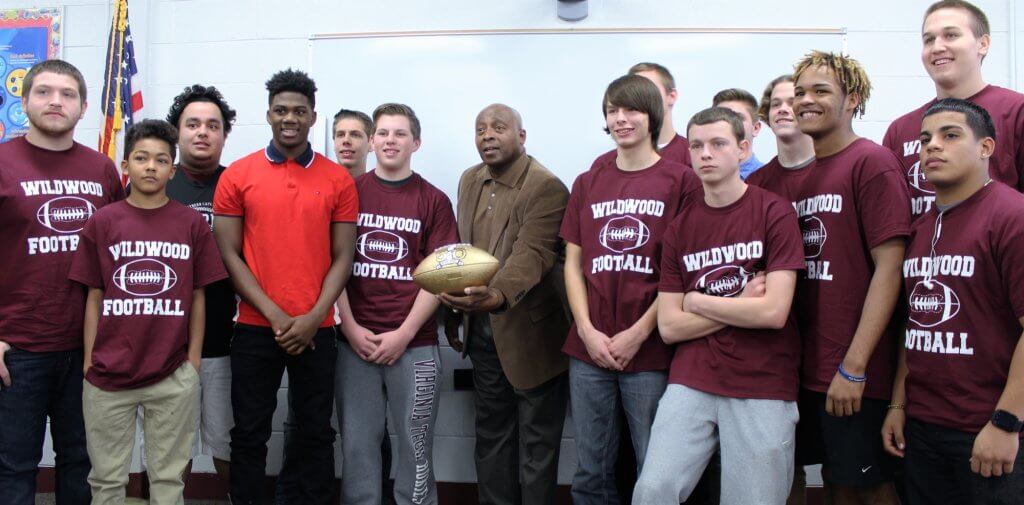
1007 422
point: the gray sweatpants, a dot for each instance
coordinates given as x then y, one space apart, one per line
413 389
756 438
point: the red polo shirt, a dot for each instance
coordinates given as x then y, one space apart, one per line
287 207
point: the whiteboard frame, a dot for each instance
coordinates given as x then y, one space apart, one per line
327 128
530 31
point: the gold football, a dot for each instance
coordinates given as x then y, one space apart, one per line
453 268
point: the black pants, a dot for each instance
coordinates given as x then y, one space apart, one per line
939 470
257 364
289 486
518 432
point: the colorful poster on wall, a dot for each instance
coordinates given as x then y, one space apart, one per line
27 36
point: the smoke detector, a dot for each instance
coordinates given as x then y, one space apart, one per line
572 10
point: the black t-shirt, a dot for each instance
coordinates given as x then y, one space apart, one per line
220 296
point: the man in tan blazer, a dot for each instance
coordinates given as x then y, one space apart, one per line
511 206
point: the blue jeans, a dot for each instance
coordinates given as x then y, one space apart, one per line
595 395
43 384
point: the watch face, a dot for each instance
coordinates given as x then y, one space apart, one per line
1006 421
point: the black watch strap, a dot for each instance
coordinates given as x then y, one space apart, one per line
1006 421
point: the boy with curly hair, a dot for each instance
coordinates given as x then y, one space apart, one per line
203 119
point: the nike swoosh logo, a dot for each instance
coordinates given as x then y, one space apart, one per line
865 469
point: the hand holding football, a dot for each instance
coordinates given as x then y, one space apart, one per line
453 268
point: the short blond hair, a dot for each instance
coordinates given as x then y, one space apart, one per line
667 81
979 21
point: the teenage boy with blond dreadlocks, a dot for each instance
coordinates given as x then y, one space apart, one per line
852 204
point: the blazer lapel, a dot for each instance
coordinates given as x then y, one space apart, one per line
467 205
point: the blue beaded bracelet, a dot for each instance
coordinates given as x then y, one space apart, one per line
850 377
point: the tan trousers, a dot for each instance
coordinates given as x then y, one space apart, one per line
170 412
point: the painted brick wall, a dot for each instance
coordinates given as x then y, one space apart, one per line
237 44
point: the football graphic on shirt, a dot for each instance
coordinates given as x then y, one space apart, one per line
932 305
917 179
814 233
728 280
624 233
145 277
382 246
65 214
453 268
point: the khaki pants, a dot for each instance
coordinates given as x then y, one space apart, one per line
170 412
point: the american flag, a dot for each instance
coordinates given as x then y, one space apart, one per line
119 102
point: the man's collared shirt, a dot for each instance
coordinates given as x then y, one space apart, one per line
494 192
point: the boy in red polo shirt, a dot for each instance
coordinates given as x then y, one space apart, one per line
962 364
614 223
290 213
145 261
729 269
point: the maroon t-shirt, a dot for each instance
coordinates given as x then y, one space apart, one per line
782 181
846 204
46 197
964 315
398 226
716 251
677 150
618 219
1007 163
147 262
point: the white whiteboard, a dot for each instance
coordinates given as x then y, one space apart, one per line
555 80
